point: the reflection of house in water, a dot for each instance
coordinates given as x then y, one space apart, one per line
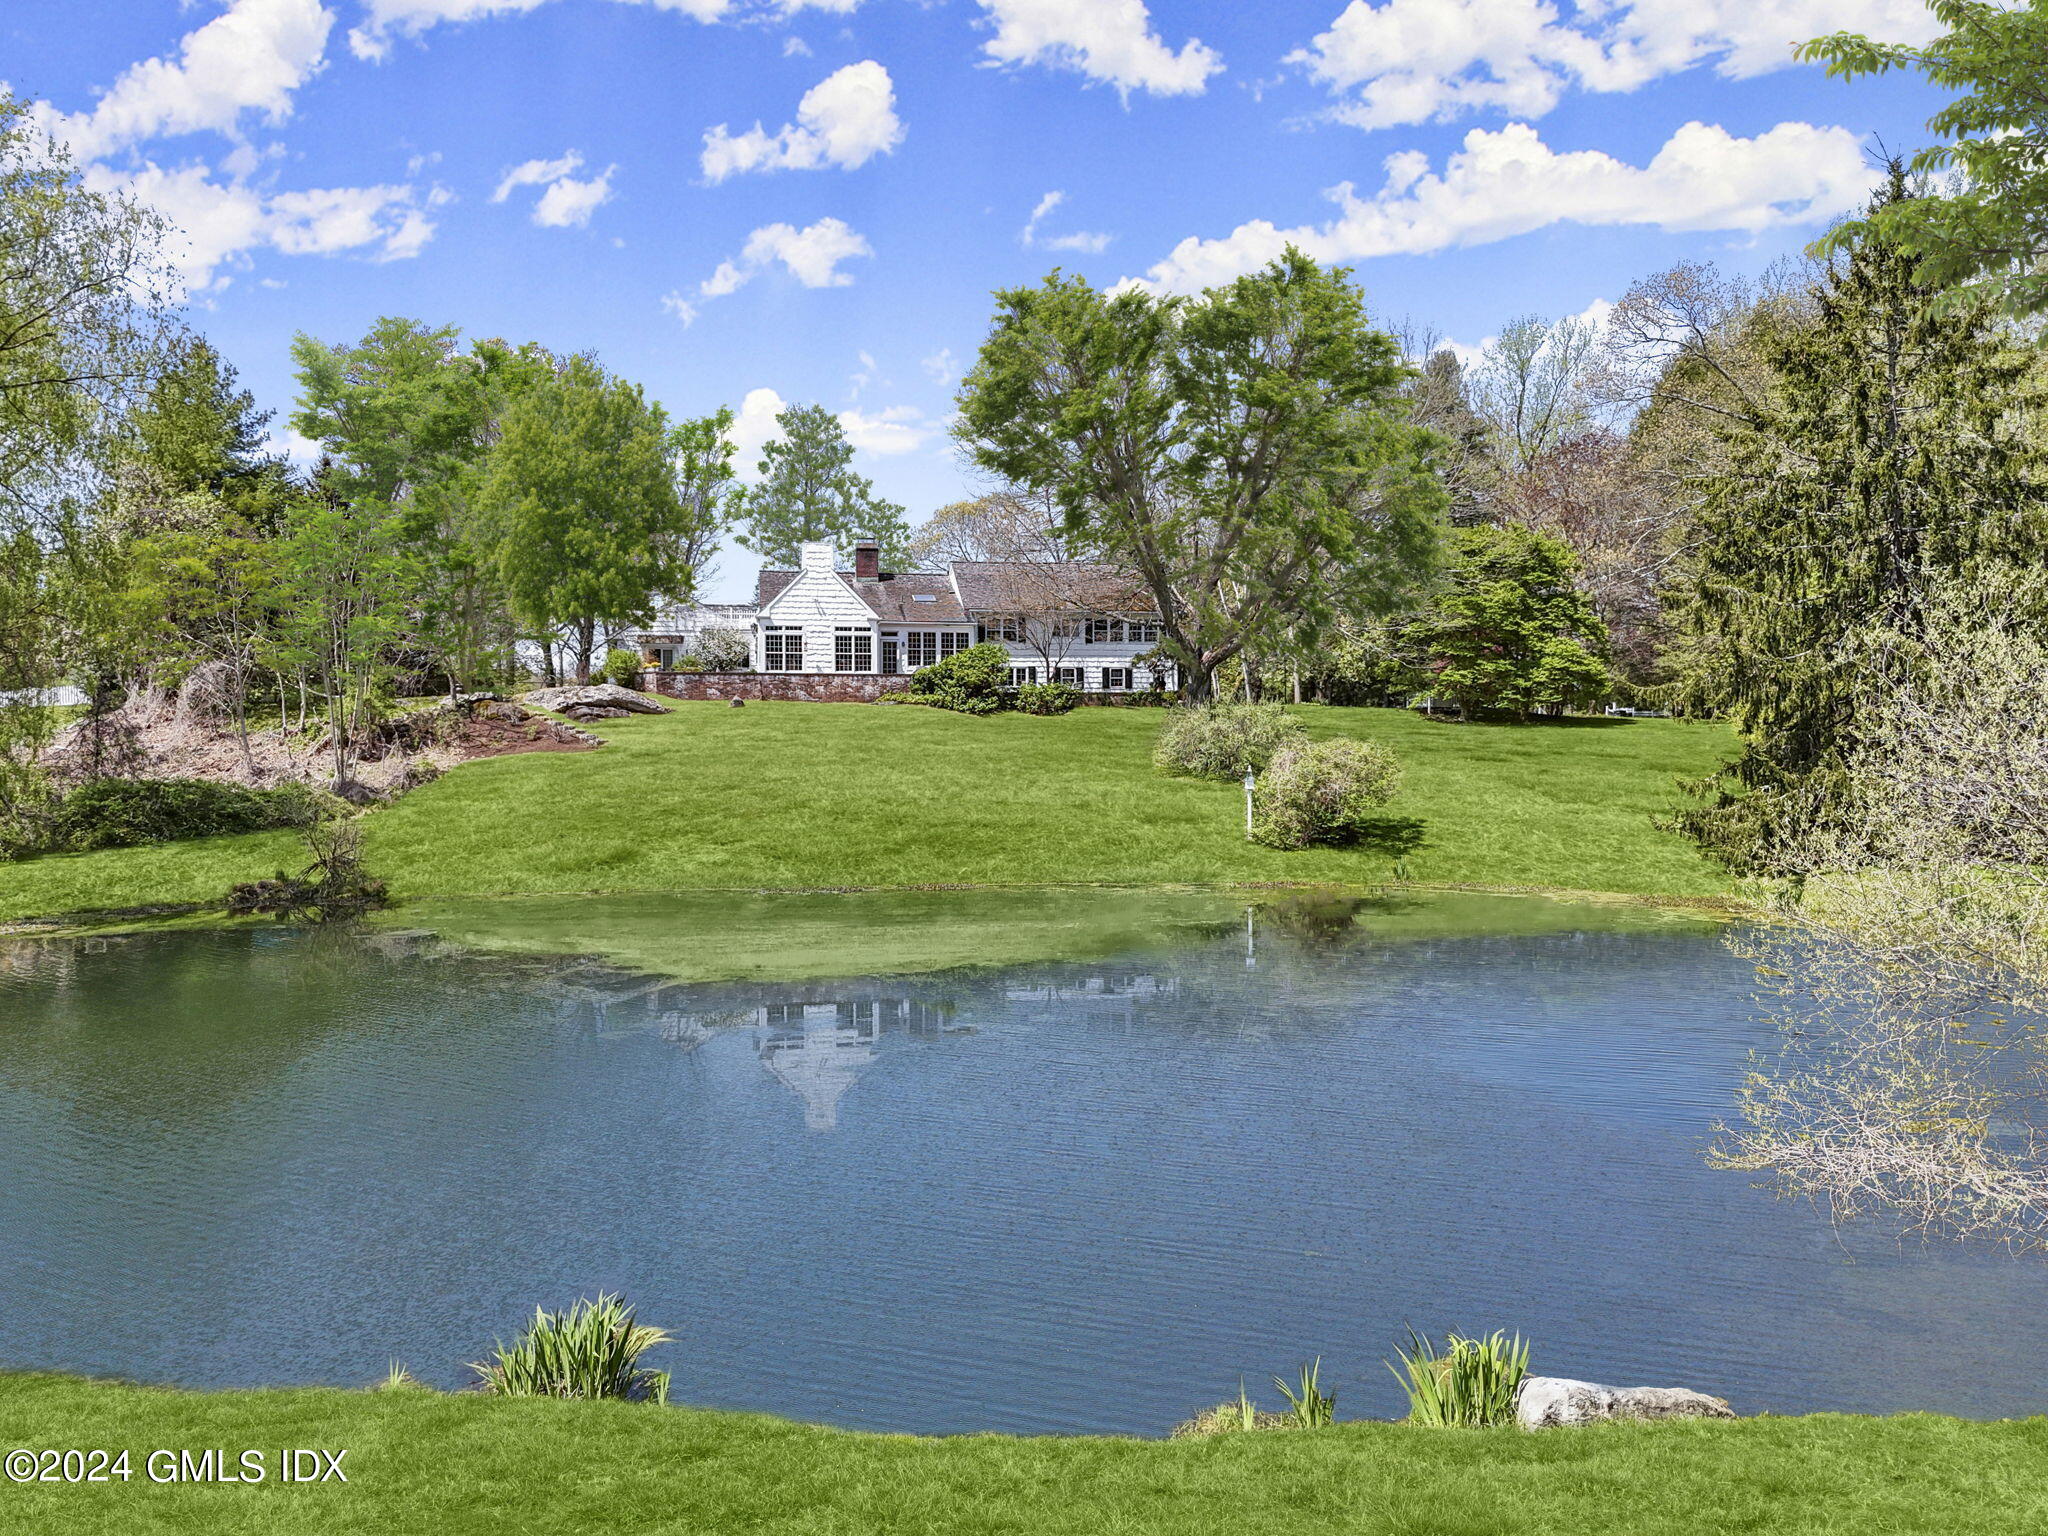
1120 991
816 1050
817 1038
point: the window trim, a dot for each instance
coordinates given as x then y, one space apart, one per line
853 639
779 637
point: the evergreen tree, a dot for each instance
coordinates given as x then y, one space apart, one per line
1509 630
808 491
1900 448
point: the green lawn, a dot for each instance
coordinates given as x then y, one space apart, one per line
460 1463
819 796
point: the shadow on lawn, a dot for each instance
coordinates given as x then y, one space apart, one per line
1395 835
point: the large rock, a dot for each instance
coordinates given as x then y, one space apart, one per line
1549 1402
594 696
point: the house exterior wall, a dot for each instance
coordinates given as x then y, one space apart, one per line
819 602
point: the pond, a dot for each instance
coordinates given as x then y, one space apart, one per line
1160 1144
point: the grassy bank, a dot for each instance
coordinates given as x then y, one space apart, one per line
810 796
429 1462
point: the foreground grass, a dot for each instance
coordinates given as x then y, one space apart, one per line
429 1462
819 796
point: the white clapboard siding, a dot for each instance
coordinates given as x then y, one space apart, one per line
819 601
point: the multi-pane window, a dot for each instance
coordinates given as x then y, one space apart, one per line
1105 631
1019 676
1067 629
1009 628
853 650
1116 679
782 648
1141 631
922 647
1073 677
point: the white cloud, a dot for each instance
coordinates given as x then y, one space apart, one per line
386 19
1080 240
1508 182
675 304
1410 61
567 199
570 201
536 173
754 427
1107 40
811 255
846 119
221 223
795 48
250 58
898 429
940 366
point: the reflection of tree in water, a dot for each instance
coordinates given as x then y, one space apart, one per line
1910 978
1890 1097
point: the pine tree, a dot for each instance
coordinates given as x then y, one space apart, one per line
808 491
1899 449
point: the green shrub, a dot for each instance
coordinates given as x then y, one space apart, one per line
1224 741
591 1350
118 813
973 681
1322 792
623 668
1468 1384
1047 698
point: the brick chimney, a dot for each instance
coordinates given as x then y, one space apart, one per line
867 560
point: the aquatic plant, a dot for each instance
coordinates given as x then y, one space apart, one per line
1308 1407
1239 1415
1469 1383
592 1349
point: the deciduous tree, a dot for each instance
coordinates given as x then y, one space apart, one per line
1247 455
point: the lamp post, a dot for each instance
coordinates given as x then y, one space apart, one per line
1248 782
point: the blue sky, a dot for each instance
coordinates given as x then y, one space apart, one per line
750 201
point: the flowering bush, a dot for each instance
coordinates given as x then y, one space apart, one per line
1322 792
1225 741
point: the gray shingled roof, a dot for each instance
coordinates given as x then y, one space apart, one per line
769 584
988 586
913 597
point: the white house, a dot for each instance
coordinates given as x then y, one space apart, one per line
1087 625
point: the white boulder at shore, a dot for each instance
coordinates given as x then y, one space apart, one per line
1550 1402
594 696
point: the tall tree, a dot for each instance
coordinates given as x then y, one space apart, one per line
1898 450
1247 455
1986 236
808 490
700 457
1003 526
85 313
1530 386
1442 402
582 498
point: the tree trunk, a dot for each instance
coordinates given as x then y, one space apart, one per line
586 642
